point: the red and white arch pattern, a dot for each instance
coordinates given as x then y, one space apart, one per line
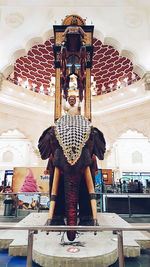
109 70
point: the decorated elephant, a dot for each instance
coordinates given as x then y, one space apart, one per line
71 146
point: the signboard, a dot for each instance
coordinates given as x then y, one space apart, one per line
98 181
30 183
107 176
32 179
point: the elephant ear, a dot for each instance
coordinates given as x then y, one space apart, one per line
99 143
45 144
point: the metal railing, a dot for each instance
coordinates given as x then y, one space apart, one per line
102 198
129 198
34 230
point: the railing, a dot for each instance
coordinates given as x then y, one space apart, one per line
103 197
129 199
34 230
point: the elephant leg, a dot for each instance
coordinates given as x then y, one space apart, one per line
54 193
91 191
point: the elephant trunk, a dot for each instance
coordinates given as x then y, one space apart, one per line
71 200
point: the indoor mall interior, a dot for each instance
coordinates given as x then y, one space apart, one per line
74 102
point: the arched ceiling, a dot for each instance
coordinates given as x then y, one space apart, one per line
110 70
126 21
122 25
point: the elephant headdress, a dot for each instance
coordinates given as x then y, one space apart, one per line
72 132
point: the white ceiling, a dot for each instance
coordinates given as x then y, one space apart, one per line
125 23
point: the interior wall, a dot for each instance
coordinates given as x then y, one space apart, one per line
17 151
130 153
31 114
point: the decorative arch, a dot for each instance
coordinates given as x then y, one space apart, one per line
120 132
16 133
68 19
112 42
110 69
12 132
134 131
8 69
111 64
107 40
36 67
14 138
11 149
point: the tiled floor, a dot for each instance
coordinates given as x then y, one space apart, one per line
10 261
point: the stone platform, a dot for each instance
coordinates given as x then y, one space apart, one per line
87 250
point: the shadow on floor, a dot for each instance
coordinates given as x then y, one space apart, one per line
12 261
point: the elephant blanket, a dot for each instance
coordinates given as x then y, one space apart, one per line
72 132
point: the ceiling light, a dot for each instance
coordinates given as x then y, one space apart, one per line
42 89
34 85
19 80
118 84
26 84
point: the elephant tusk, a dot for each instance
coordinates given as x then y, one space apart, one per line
91 191
54 193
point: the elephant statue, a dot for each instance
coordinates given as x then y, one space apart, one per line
71 147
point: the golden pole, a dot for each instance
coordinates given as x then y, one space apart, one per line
87 95
54 193
57 95
90 186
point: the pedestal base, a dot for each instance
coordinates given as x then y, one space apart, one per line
87 249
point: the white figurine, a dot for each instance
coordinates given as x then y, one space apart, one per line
72 109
